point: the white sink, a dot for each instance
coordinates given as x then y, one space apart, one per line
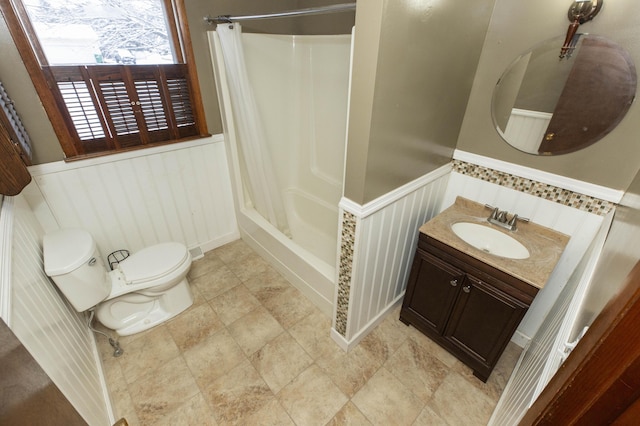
490 240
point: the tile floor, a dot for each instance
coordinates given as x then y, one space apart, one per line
252 350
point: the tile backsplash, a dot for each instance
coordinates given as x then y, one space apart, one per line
538 189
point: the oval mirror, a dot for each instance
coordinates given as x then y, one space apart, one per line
547 106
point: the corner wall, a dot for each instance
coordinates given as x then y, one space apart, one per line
413 69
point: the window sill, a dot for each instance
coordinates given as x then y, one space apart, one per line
110 157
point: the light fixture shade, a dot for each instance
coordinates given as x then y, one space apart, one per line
579 12
584 10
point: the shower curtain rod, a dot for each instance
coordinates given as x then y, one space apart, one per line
225 19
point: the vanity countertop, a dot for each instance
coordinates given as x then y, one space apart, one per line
544 244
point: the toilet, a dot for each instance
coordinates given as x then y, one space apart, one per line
142 291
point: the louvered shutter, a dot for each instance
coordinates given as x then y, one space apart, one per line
119 106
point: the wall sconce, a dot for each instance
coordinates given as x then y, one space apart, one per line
580 12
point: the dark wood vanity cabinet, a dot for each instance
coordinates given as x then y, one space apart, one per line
468 307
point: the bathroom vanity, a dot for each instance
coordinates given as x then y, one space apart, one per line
468 299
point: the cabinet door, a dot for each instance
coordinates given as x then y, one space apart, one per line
483 320
432 290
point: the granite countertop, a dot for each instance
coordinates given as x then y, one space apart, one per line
544 244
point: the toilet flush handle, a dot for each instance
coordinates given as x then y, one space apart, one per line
92 261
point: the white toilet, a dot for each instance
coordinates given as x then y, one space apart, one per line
144 290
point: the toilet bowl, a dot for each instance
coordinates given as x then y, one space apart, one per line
145 289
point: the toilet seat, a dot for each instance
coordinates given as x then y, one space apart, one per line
153 262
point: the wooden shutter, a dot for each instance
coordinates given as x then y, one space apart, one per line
114 107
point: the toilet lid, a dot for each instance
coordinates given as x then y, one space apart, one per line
153 262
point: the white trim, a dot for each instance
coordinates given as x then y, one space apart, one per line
340 340
103 380
362 211
6 238
532 114
347 345
60 166
590 189
520 339
218 242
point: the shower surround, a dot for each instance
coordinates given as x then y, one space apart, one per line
301 86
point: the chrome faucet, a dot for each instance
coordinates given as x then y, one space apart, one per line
500 218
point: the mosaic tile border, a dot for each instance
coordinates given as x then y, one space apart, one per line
347 242
528 186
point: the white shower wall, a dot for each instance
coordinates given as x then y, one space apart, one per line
301 87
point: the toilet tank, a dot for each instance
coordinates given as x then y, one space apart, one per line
72 260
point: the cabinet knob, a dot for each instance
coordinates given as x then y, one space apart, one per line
466 288
453 283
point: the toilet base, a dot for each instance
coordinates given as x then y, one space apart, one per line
136 312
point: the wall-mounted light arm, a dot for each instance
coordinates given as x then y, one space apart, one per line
580 12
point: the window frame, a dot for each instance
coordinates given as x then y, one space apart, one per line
37 66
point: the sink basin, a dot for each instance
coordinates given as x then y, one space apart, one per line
490 240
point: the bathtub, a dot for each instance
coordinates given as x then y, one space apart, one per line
301 88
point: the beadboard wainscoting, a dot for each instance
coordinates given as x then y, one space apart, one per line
550 345
377 246
52 331
179 192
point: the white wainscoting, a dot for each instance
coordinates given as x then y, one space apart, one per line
384 246
179 192
542 357
53 332
526 129
582 226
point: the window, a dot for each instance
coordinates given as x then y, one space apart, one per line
113 75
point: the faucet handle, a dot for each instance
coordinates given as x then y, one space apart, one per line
494 213
514 218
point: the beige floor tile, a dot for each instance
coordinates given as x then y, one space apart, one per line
272 414
193 412
313 334
213 357
289 307
255 330
280 361
384 400
350 371
349 415
233 250
385 339
147 353
249 266
234 304
119 393
428 417
267 284
417 369
433 348
312 398
208 264
256 352
193 326
215 283
158 394
238 394
198 298
499 376
456 393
